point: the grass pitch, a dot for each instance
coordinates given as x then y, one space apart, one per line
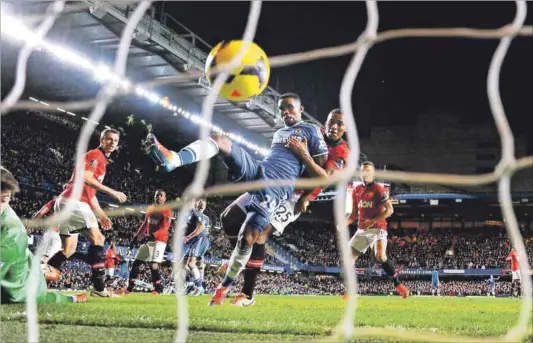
145 318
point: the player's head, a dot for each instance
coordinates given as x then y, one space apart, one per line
367 172
9 186
160 197
201 204
109 140
335 127
290 108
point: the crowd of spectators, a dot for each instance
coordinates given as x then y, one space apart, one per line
479 248
76 276
43 164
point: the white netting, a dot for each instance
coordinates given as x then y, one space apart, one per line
502 174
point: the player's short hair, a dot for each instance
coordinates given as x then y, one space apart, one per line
290 95
106 131
367 163
335 111
161 191
8 181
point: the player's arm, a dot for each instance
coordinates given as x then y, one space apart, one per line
40 214
195 233
312 164
508 258
165 221
386 213
91 181
44 210
352 217
104 219
142 228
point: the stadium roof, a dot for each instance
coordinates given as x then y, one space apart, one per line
161 48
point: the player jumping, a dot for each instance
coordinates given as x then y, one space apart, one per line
280 164
17 260
154 231
289 211
196 244
515 273
371 208
83 218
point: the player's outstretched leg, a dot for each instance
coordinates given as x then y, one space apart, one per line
56 298
171 160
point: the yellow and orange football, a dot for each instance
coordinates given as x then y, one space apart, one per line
246 81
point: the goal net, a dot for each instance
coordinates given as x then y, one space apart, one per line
117 84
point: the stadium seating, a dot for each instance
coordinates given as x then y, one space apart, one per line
39 148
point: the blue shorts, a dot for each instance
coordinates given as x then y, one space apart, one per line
263 203
435 284
197 247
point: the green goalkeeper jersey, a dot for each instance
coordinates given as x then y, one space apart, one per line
16 260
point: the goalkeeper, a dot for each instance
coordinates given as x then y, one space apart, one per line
16 260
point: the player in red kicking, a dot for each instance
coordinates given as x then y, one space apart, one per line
371 208
154 231
83 219
515 272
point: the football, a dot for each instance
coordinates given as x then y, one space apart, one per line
246 81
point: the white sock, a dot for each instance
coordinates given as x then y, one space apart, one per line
191 153
238 260
195 272
202 271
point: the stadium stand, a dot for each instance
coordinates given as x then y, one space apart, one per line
43 174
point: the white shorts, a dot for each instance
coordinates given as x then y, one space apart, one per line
54 243
515 274
151 252
281 218
364 239
110 272
82 217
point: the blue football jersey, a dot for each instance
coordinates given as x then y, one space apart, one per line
435 277
194 219
281 163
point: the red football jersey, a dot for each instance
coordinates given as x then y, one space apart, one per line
514 260
368 202
337 159
158 223
95 161
110 256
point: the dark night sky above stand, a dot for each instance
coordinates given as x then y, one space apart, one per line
399 79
